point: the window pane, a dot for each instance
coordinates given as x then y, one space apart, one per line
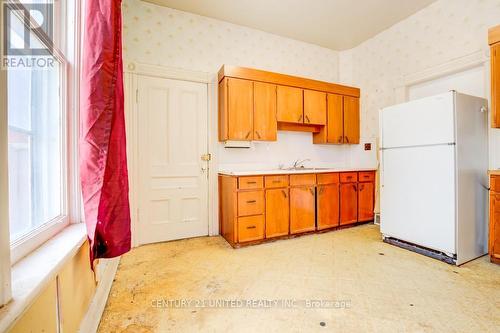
35 154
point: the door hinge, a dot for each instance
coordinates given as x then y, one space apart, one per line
206 157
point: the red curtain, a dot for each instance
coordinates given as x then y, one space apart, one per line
103 159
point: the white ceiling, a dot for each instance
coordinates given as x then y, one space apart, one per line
335 24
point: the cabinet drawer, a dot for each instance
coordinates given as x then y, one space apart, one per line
308 179
366 176
327 178
495 183
276 181
250 203
348 177
250 228
250 183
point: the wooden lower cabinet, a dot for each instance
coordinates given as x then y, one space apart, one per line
494 241
327 203
250 228
277 212
302 209
256 208
348 203
366 201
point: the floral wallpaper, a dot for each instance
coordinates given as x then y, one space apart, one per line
444 31
164 36
441 32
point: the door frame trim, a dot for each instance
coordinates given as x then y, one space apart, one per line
132 72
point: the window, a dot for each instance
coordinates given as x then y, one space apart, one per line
35 141
37 124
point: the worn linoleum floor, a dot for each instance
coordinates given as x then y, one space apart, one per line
365 285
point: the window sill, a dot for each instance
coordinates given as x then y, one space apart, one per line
34 272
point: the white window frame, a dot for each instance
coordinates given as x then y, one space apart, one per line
69 49
5 283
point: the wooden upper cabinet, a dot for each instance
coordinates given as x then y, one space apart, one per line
314 107
335 125
264 112
494 41
351 119
254 104
302 209
290 105
333 132
277 212
366 201
495 85
348 203
240 109
223 112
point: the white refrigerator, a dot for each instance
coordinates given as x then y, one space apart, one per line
433 179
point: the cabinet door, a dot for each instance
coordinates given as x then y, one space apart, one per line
495 85
365 201
351 119
289 105
240 109
277 212
264 112
495 226
348 203
328 206
302 214
314 107
335 125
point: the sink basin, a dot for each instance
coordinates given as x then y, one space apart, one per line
305 169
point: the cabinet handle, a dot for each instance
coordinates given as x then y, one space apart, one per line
311 190
284 193
354 187
300 118
321 188
251 201
251 227
258 135
248 134
340 138
346 139
276 181
349 177
361 187
307 119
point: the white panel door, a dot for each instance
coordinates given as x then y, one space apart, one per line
417 196
425 121
173 135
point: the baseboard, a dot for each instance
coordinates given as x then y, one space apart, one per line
92 318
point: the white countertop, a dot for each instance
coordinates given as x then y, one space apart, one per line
288 172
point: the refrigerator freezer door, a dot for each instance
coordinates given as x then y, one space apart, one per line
427 121
417 196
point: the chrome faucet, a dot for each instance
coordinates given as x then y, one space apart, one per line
299 164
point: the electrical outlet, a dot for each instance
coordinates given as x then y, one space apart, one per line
368 146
